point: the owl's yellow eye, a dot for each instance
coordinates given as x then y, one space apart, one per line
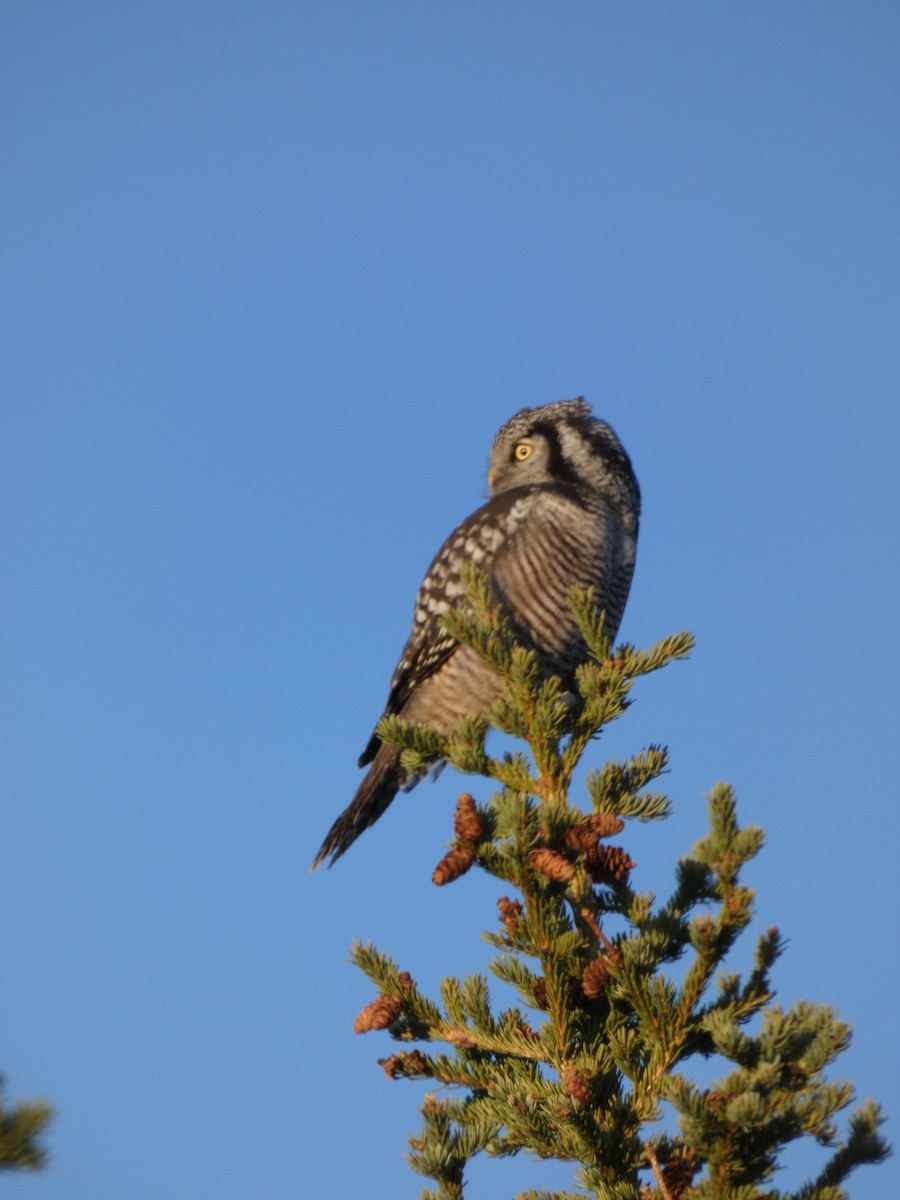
523 451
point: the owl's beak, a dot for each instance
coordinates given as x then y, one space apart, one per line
492 475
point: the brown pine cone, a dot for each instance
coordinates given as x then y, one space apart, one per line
552 864
467 822
379 1013
454 863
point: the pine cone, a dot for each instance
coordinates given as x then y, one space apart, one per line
605 824
413 1063
454 863
584 835
379 1013
596 977
581 836
391 1065
608 864
574 1084
510 912
552 865
467 822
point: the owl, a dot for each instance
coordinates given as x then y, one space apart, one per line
563 510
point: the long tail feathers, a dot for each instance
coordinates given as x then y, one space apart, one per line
380 785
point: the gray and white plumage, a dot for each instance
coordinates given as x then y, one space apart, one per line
563 510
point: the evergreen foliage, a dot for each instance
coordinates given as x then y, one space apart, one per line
20 1126
596 1056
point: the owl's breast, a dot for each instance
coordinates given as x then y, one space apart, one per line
562 544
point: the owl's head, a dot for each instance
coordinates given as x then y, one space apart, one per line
563 443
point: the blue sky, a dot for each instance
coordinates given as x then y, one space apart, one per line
272 277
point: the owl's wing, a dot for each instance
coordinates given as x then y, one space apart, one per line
477 539
428 647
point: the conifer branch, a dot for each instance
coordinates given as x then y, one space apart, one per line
20 1127
599 1045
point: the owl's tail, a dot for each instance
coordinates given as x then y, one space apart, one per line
380 785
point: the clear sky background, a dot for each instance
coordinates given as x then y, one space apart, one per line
272 276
